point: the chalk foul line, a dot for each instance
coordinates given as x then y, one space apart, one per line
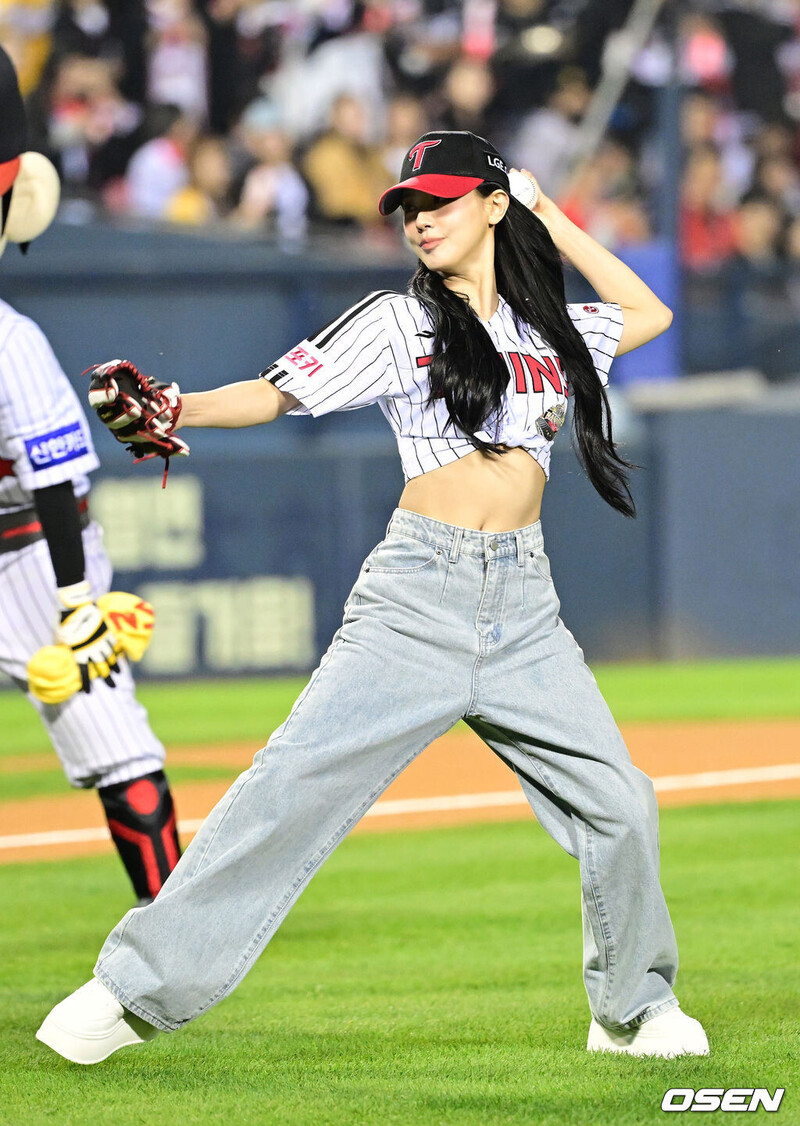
494 800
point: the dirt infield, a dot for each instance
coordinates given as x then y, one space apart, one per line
457 779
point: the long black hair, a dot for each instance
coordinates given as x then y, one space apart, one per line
469 374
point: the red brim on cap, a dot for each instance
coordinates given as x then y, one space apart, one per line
8 173
448 187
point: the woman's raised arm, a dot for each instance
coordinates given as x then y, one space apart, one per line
249 403
644 315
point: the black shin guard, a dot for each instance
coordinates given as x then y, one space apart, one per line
141 818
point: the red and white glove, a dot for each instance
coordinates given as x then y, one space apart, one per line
140 411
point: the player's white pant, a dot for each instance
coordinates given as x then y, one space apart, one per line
101 737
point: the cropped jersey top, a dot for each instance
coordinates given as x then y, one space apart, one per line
378 350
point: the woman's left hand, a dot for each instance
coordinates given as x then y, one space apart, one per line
645 315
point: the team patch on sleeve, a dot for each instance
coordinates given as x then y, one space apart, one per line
57 446
304 358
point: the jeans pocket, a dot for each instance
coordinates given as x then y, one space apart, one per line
399 555
351 605
542 565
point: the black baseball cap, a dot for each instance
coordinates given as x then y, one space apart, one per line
12 123
447 164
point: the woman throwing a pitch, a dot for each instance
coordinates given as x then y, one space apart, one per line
453 615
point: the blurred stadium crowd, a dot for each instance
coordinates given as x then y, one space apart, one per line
269 115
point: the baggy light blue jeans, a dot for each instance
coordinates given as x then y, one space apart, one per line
442 623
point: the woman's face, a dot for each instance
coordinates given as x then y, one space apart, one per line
450 234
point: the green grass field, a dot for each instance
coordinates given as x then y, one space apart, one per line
427 977
424 978
209 712
248 711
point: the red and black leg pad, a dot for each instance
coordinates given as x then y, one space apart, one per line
141 817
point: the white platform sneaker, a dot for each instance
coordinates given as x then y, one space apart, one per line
671 1034
90 1024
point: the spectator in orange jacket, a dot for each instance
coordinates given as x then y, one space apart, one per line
344 168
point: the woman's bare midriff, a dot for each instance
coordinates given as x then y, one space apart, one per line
488 493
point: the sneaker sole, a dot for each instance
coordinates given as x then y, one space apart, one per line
87 1049
602 1040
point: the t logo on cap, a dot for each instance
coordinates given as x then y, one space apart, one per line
457 163
418 152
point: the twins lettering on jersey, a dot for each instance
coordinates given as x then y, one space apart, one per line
371 354
57 446
537 370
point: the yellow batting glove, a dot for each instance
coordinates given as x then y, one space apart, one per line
53 674
83 629
130 619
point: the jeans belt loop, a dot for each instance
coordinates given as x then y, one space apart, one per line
520 549
455 546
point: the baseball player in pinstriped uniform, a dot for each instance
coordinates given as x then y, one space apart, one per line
453 615
52 564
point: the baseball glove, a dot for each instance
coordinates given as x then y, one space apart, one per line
140 412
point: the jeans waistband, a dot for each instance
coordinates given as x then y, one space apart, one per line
455 540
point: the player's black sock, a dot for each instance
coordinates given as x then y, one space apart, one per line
141 818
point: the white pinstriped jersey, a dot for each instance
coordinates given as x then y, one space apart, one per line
44 435
378 351
101 737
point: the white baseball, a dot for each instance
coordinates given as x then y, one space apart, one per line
523 188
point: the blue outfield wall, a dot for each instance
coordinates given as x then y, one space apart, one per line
251 554
203 311
251 550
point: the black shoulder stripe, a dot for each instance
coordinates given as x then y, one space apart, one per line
343 320
273 373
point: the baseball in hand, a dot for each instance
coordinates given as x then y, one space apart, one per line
523 188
